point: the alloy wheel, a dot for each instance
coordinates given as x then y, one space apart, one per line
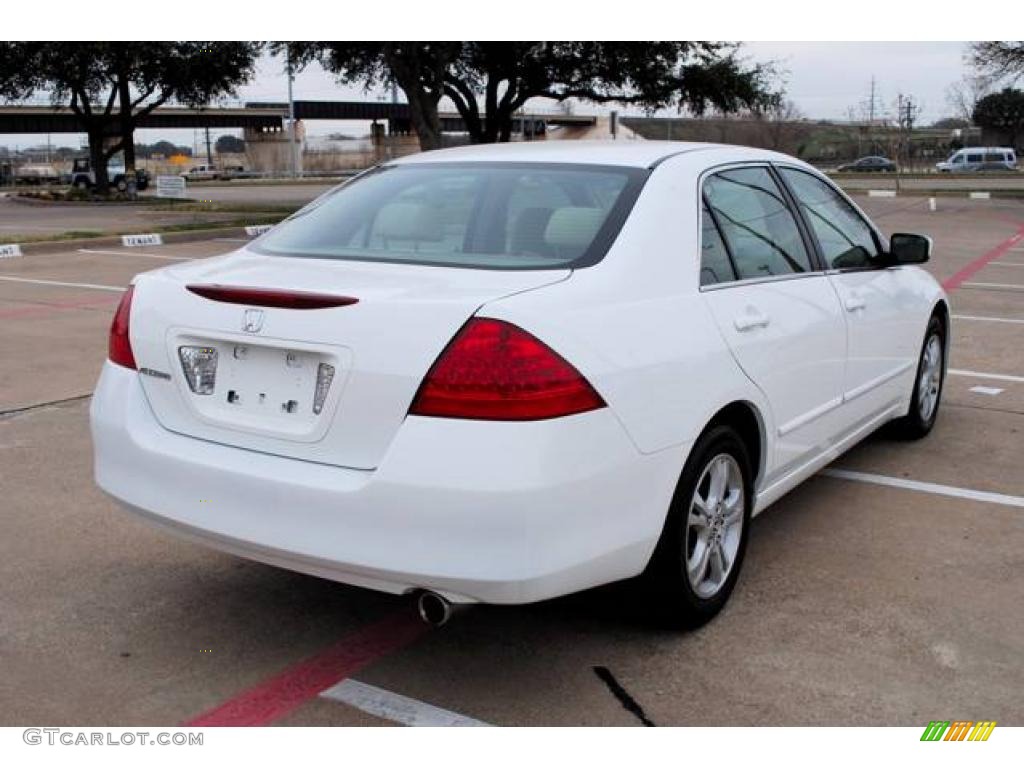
714 525
930 379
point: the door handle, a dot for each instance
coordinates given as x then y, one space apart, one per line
855 303
750 321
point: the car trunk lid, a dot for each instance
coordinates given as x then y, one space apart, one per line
319 363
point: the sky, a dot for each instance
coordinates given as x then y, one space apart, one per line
824 79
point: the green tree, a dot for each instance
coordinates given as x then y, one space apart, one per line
111 86
163 148
418 68
229 144
1002 112
694 76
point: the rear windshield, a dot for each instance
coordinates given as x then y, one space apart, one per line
480 215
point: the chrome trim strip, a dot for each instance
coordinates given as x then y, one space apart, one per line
758 281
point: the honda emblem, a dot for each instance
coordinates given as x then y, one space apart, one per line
252 321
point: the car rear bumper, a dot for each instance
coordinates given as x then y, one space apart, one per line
492 512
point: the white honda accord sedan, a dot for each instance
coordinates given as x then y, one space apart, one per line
507 373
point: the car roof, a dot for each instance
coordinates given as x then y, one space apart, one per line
626 153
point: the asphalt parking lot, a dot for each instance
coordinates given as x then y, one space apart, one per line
887 594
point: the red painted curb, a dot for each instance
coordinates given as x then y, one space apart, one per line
273 699
965 274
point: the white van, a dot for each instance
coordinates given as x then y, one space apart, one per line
974 159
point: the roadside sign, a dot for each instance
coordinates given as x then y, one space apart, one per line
170 186
134 241
255 230
12 251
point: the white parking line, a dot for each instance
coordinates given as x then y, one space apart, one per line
981 375
995 286
394 706
916 485
979 318
61 284
135 253
991 391
1005 264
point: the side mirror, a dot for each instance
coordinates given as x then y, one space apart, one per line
905 248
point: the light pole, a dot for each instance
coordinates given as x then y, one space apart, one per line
291 121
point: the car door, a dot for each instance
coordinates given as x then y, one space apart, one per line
774 307
880 312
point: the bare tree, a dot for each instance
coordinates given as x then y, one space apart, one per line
781 126
963 96
999 59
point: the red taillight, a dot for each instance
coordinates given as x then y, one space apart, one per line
493 370
120 347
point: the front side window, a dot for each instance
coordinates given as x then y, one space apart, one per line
758 227
845 239
976 158
486 215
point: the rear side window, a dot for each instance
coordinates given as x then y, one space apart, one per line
757 225
845 239
994 157
485 215
715 265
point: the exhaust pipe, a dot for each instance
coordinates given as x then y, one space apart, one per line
433 609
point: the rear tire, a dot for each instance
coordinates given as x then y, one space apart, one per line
928 385
698 559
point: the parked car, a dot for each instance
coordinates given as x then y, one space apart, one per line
506 373
872 164
979 160
229 172
83 176
202 173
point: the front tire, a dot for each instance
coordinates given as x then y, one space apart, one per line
699 556
928 384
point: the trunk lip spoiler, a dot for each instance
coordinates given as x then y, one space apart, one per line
269 297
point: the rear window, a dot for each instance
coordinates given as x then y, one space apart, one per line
480 215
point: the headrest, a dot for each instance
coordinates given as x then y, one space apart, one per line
409 221
573 227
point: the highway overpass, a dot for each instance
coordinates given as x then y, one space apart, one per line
46 119
261 116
